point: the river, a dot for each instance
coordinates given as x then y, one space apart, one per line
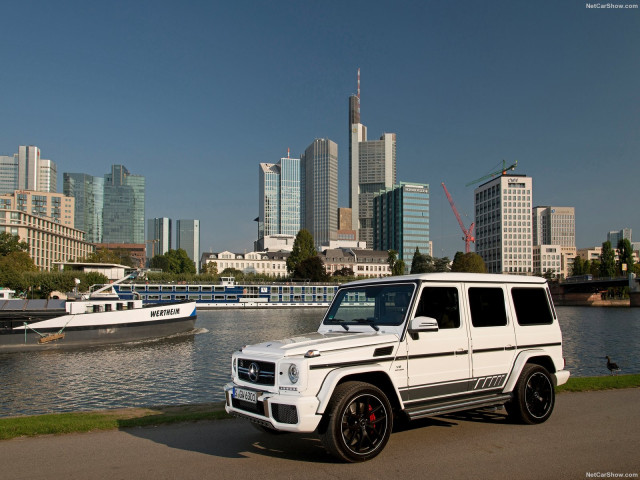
192 368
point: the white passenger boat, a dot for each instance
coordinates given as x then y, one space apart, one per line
229 294
99 318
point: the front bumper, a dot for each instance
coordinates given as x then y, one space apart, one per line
281 412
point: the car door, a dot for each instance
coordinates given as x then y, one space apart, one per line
493 341
438 362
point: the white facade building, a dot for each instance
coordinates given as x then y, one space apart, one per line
273 264
25 170
504 237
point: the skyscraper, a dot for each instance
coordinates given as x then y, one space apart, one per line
319 168
280 198
27 171
614 236
188 238
401 220
88 192
372 167
503 221
158 236
123 213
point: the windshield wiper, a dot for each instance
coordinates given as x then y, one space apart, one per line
342 323
369 322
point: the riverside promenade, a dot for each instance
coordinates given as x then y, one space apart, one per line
589 435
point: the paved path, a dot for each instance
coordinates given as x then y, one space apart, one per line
588 433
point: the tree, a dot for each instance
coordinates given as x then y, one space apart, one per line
343 272
11 243
396 266
210 268
607 261
174 261
311 268
625 256
578 267
594 268
468 262
303 248
442 264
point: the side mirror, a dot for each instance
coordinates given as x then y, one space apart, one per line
423 324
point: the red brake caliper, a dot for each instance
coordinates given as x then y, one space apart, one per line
372 416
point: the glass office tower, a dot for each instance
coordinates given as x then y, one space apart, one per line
123 214
88 192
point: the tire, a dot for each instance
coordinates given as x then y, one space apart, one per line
359 423
533 397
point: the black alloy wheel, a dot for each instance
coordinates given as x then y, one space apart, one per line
360 422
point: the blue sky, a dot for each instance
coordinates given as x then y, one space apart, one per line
194 95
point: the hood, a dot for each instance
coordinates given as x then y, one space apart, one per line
323 342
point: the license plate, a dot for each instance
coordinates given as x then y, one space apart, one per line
246 395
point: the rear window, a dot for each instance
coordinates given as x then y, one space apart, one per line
532 307
487 307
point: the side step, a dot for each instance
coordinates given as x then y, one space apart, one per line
455 406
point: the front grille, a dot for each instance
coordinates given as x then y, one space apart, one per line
284 413
257 407
266 371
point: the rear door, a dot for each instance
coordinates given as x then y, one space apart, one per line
438 362
493 341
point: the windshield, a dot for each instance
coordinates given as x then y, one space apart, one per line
370 304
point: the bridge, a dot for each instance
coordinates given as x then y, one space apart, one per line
585 290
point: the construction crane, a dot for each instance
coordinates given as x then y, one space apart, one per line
502 171
468 233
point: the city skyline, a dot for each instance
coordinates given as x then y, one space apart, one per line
214 91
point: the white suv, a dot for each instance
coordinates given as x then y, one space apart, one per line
416 346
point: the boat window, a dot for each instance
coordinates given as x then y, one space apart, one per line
219 289
207 288
206 297
194 288
297 289
181 288
285 298
218 297
194 297
286 290
124 288
232 297
275 298
119 306
275 290
140 288
181 297
166 297
107 307
308 298
153 297
167 288
153 288
130 305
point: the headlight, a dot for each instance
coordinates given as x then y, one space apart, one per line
294 373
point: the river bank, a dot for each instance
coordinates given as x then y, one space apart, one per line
112 419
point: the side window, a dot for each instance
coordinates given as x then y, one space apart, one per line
532 307
487 307
442 304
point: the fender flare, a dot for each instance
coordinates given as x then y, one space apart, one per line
333 378
521 360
